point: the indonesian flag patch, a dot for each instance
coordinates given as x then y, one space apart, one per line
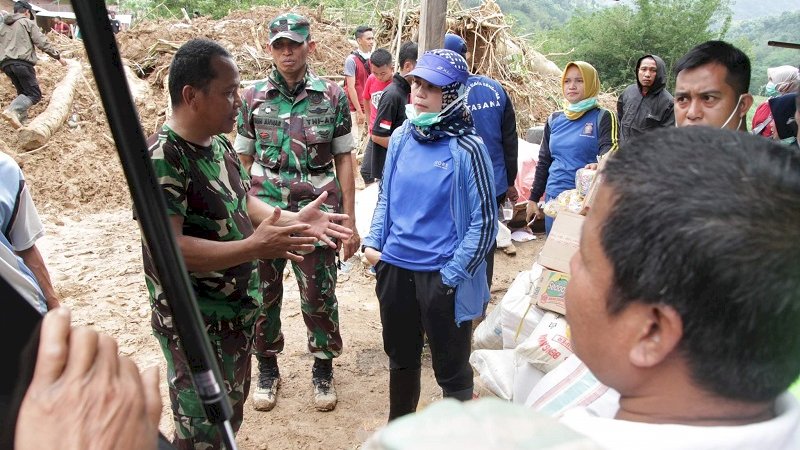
386 124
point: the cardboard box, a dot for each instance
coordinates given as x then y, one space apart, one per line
562 242
550 289
588 200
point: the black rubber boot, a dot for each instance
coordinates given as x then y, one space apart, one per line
22 104
17 111
404 390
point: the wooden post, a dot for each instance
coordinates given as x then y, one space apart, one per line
432 24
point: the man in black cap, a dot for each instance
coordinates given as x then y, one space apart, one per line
18 34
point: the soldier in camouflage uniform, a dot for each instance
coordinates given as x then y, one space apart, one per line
221 230
294 135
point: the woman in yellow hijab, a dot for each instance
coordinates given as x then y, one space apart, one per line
573 137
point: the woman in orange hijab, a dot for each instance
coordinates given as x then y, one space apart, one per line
573 137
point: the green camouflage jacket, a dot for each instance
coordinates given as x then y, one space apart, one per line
293 137
207 186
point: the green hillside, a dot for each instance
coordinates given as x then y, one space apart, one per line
564 25
531 16
752 36
752 9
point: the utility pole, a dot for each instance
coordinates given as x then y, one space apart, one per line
432 24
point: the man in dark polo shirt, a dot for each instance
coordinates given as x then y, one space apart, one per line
392 107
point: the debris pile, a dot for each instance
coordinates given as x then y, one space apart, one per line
76 169
532 81
149 45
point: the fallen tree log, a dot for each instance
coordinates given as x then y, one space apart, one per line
139 88
40 129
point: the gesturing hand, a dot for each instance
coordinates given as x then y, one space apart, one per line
278 242
323 225
83 395
350 245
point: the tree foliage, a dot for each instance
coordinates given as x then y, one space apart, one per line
172 8
752 36
754 9
531 16
220 8
613 38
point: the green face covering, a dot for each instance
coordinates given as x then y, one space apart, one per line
582 106
771 89
425 119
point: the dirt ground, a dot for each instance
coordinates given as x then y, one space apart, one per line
95 262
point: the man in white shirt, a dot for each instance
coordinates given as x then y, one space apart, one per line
685 294
684 297
21 263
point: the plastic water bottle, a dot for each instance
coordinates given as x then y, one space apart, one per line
508 210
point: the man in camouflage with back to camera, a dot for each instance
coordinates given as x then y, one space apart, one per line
221 231
294 136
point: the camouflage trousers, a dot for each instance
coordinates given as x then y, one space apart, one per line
232 350
316 279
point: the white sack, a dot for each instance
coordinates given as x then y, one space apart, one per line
548 345
571 385
496 370
518 317
489 333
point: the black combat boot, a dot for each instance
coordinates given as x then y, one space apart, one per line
322 379
269 379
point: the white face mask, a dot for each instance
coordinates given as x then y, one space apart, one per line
735 110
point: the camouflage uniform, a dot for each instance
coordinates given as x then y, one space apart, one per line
206 186
293 138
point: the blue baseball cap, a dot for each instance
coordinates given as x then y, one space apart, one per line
455 43
441 67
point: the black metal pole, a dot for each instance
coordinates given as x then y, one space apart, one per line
151 210
792 45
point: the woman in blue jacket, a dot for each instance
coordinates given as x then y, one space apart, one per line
435 220
573 137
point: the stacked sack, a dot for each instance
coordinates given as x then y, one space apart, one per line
523 351
519 341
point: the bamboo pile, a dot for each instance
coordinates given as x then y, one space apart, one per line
532 81
149 45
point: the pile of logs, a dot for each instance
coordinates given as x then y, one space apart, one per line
532 81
